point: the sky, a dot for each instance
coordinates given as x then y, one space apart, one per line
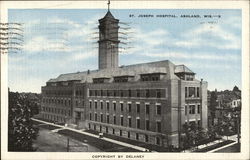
59 41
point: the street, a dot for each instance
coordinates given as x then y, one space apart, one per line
48 141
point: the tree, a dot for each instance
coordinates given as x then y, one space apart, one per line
201 136
193 135
213 104
21 132
236 89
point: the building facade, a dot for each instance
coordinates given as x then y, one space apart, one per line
146 102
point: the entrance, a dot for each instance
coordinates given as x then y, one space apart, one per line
77 117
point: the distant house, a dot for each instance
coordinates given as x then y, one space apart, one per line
226 102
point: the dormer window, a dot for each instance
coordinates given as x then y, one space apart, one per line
184 73
101 80
152 76
125 78
189 77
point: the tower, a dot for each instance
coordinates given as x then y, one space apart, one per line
108 41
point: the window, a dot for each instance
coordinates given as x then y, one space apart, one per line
95 105
107 130
138 93
114 119
95 116
147 125
114 105
186 92
145 77
129 93
198 108
121 93
121 107
100 128
147 93
158 109
156 78
158 93
90 104
138 108
120 132
147 108
101 117
138 123
137 136
146 138
158 141
128 134
121 121
114 93
101 92
192 109
129 107
191 92
94 127
101 105
186 109
113 131
107 105
198 92
129 122
89 125
158 125
90 116
107 118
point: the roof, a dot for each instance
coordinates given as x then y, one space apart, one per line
182 69
109 15
166 67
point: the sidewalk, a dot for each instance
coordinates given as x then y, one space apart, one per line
203 146
95 136
214 150
224 138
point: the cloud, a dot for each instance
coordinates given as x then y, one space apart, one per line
233 22
209 36
43 44
31 24
194 56
75 37
66 22
27 84
83 55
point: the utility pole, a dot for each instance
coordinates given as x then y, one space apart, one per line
238 129
67 144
